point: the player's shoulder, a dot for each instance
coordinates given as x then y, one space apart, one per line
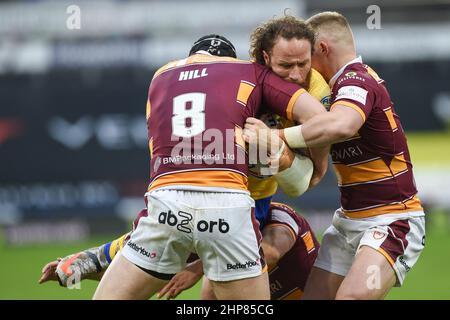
168 66
261 71
357 74
198 59
358 82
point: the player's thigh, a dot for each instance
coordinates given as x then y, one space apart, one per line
332 264
370 277
125 281
256 288
207 292
322 285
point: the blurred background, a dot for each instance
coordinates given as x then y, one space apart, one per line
74 161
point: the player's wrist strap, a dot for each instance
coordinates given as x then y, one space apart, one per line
294 137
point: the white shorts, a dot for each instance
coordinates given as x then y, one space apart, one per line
219 226
399 237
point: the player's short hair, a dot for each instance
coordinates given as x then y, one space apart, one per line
328 20
214 44
263 37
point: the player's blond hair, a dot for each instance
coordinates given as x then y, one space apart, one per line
332 24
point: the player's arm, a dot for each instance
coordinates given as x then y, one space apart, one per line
277 240
294 173
340 124
296 178
319 157
353 104
87 264
319 90
305 108
293 103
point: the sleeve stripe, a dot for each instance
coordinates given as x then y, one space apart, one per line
290 106
106 252
148 109
308 240
350 105
387 256
272 225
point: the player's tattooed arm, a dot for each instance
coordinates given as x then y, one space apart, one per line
87 264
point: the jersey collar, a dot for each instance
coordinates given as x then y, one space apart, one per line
334 78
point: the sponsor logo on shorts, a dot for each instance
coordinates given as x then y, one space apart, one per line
404 264
245 265
182 219
377 235
141 250
181 222
205 226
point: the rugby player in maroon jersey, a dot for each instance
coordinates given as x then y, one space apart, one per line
288 36
378 233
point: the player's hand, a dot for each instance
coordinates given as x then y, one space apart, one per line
49 272
269 143
183 280
256 131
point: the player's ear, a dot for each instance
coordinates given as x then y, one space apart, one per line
266 58
324 49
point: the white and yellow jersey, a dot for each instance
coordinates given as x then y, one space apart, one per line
265 186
